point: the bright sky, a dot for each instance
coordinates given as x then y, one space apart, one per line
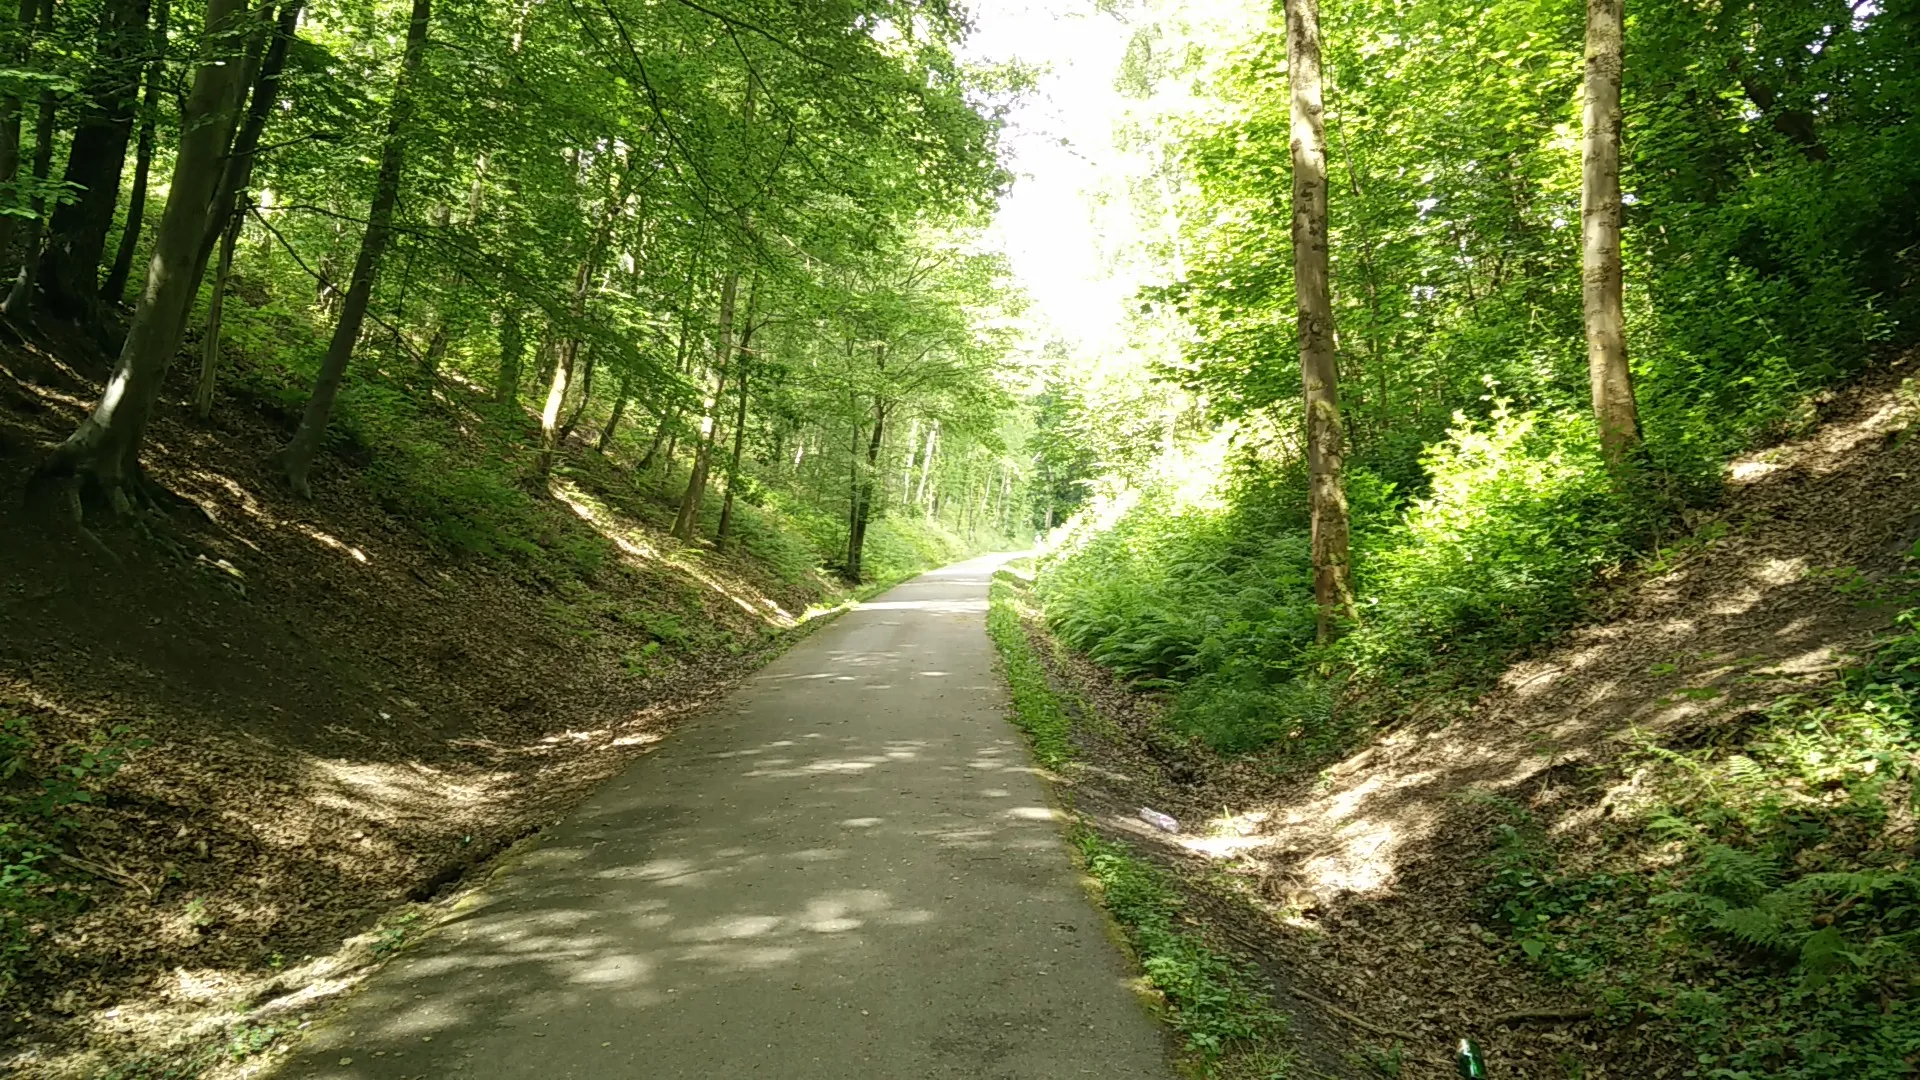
1061 138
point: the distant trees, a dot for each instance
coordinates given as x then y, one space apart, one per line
604 201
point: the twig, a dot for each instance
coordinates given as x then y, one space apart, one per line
119 877
1365 1025
1546 1016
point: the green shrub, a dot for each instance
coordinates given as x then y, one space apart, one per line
1214 598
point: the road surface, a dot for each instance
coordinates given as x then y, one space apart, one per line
848 869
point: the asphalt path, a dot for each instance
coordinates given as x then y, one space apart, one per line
850 868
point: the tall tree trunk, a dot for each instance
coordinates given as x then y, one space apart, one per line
926 469
513 353
237 174
551 434
619 409
1600 273
114 289
77 234
686 524
210 354
1327 497
863 495
739 443
20 296
299 455
104 451
19 42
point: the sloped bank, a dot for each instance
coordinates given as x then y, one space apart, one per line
1676 842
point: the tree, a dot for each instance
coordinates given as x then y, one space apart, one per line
114 289
104 453
298 457
1326 493
1601 277
77 235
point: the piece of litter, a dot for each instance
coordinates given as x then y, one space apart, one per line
606 1044
1159 820
346 1061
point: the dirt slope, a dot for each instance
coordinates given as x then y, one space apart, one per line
342 717
1359 887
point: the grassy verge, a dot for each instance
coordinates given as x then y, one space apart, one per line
1035 710
1227 1022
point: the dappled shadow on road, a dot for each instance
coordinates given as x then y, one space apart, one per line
344 714
873 884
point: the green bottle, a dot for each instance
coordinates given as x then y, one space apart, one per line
1472 1065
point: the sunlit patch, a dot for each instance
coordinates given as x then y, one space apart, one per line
1741 472
937 607
347 549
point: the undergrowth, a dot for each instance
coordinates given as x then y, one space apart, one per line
1218 1005
41 787
1035 709
1759 904
1212 596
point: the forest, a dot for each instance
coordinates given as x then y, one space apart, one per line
1485 507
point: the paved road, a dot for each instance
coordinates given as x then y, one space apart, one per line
847 870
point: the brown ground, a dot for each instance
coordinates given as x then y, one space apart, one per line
1359 887
343 719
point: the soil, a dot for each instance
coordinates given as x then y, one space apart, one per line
341 718
1359 888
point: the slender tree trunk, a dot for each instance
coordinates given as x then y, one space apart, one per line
104 451
20 297
114 289
77 234
1327 497
237 174
1600 271
300 452
924 498
513 352
687 523
681 362
586 395
550 435
619 409
739 442
863 495
210 354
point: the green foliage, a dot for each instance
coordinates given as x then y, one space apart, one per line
1777 933
1035 709
40 787
1215 598
1218 1005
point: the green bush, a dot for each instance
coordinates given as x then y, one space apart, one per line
1215 599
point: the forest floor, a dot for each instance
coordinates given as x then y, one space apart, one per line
1361 889
332 718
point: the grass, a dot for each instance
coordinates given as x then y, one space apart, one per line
1218 1005
1035 709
